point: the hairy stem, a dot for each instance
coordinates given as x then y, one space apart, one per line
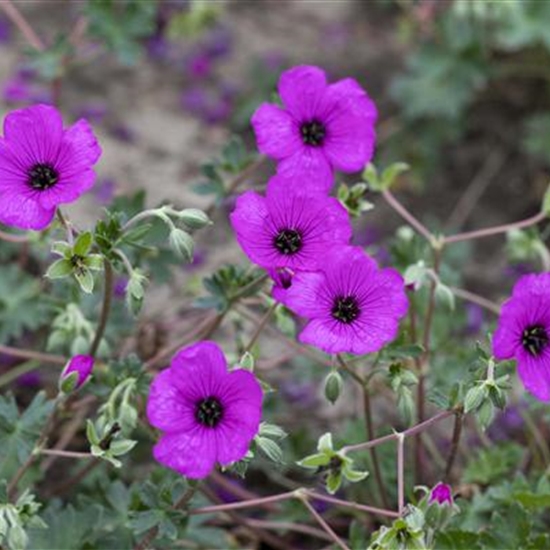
22 24
457 431
106 307
33 355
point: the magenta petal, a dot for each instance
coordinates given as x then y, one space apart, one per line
192 454
534 373
301 89
167 408
277 133
305 296
24 211
231 446
311 168
35 133
79 147
199 369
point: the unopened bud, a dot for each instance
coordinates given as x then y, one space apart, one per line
333 386
182 243
76 373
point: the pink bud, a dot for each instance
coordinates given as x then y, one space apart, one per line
441 494
76 372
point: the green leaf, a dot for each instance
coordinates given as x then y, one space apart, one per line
94 262
59 269
391 172
353 475
334 480
445 296
314 461
62 248
19 432
270 448
475 397
272 430
120 447
324 444
85 279
83 243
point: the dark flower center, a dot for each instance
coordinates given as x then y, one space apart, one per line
42 177
534 339
209 412
288 241
313 133
345 309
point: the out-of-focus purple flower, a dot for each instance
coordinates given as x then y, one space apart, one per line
212 106
123 133
227 495
302 394
523 333
158 48
320 128
207 414
507 424
513 272
30 380
43 165
76 373
94 112
351 305
16 90
199 257
198 66
5 31
104 191
474 318
217 43
7 360
120 287
441 494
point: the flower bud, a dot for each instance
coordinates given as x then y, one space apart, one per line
76 373
194 218
333 386
182 243
441 494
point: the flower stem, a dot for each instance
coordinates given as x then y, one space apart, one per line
65 454
475 299
352 505
106 307
407 216
400 473
35 355
418 428
22 24
260 327
326 527
457 431
487 232
8 237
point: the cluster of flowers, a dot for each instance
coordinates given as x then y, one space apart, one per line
300 234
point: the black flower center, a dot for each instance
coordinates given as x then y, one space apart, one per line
313 133
209 412
288 241
345 309
42 177
534 339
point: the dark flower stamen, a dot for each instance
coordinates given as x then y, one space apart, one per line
313 133
345 309
42 177
209 412
288 241
534 339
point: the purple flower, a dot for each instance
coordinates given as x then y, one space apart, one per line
199 65
321 127
104 192
441 494
30 379
5 31
523 333
43 165
16 90
76 372
352 306
474 318
288 228
207 414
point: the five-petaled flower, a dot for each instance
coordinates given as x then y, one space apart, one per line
352 305
322 127
287 228
43 165
207 414
523 333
